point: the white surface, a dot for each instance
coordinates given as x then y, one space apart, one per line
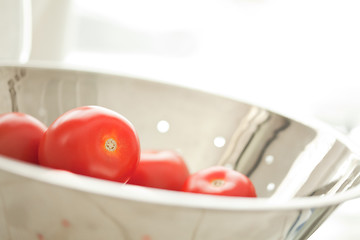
301 57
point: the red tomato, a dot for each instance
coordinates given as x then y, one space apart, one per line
160 169
218 180
92 141
20 135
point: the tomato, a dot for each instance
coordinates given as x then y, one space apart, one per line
218 180
164 169
93 141
20 135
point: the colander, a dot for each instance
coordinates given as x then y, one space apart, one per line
302 170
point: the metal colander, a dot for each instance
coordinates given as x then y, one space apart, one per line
301 171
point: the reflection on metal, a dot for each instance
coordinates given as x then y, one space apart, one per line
303 166
242 136
348 179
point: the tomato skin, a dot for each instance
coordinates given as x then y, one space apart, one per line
164 169
93 141
218 180
20 135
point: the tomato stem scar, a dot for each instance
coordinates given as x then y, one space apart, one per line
110 145
217 182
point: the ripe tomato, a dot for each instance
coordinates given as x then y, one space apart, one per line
92 141
160 169
20 135
218 180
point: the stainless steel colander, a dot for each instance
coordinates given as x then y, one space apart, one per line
301 170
